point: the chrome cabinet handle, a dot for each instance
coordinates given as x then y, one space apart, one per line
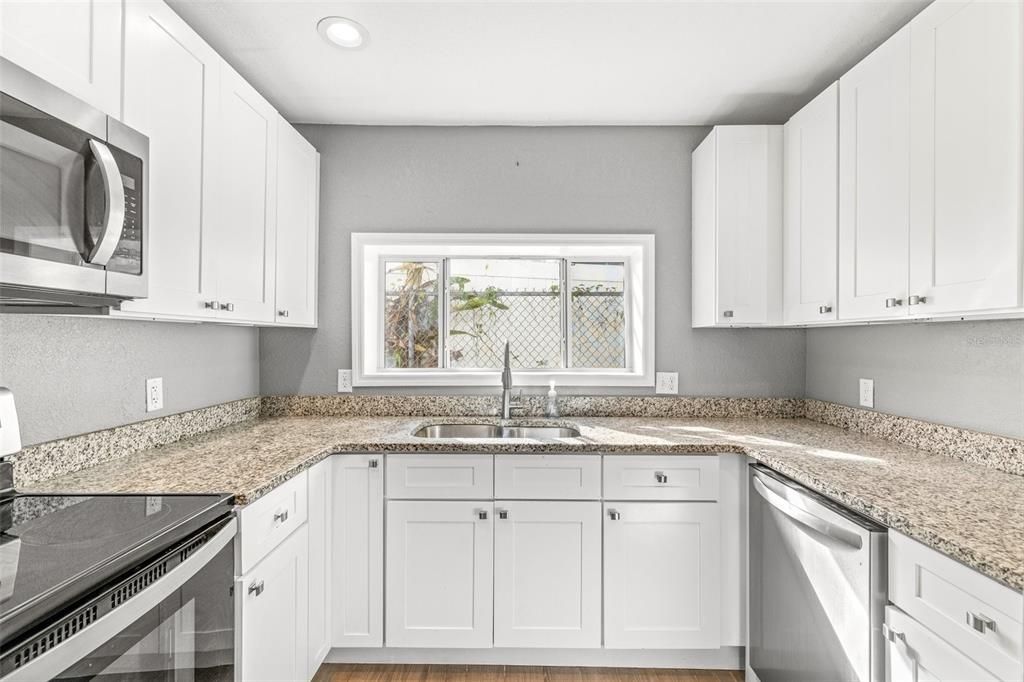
503 514
727 313
230 307
660 477
614 515
900 639
256 588
373 464
282 313
980 622
113 212
893 302
281 516
482 514
824 309
213 305
917 300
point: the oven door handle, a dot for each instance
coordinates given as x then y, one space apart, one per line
76 647
806 518
113 212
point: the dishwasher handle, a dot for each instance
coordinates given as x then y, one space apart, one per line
806 518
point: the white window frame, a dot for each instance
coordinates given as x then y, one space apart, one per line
370 250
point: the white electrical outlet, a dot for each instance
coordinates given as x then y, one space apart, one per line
867 393
666 382
344 381
154 394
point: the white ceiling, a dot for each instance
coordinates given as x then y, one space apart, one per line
546 63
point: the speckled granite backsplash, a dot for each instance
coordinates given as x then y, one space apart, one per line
58 457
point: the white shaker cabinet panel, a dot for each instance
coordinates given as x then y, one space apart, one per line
319 501
874 169
810 210
272 599
357 551
240 257
913 653
737 227
298 180
439 574
160 49
661 581
966 157
547 574
74 44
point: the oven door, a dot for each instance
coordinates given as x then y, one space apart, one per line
180 627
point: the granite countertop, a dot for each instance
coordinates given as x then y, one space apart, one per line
970 512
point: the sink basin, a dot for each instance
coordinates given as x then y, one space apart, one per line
494 431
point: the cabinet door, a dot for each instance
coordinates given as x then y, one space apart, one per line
547 574
319 501
916 654
273 598
74 44
874 169
810 210
749 224
160 48
439 574
357 551
241 257
966 164
298 179
661 583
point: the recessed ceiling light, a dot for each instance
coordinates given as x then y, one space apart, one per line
342 32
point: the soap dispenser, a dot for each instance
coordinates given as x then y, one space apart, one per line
551 410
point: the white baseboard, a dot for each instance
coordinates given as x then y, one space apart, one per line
726 658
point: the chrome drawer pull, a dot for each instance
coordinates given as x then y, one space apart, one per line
213 305
614 515
482 514
281 516
230 307
503 514
917 300
256 589
660 477
893 302
824 309
374 464
727 313
980 622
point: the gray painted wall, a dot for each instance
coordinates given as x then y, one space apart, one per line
593 179
73 375
968 374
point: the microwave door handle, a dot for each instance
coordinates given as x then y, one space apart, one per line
79 645
806 518
113 214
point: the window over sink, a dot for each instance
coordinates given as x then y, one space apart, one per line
437 309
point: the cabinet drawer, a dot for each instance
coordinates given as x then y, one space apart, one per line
976 614
912 652
265 523
547 477
661 477
440 477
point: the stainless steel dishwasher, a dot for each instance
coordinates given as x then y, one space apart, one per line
817 586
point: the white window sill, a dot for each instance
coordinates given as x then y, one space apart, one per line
432 378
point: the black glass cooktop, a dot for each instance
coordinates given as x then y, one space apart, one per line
57 549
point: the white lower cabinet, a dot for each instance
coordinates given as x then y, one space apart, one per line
356 565
272 614
915 654
547 574
661 575
439 573
320 541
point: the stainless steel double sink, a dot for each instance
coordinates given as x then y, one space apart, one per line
495 431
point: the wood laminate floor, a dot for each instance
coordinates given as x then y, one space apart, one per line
509 673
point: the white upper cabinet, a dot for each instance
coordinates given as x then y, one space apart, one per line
160 48
74 44
874 170
298 180
810 210
965 157
240 257
547 574
737 227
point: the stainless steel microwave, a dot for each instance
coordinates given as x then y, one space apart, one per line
73 201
